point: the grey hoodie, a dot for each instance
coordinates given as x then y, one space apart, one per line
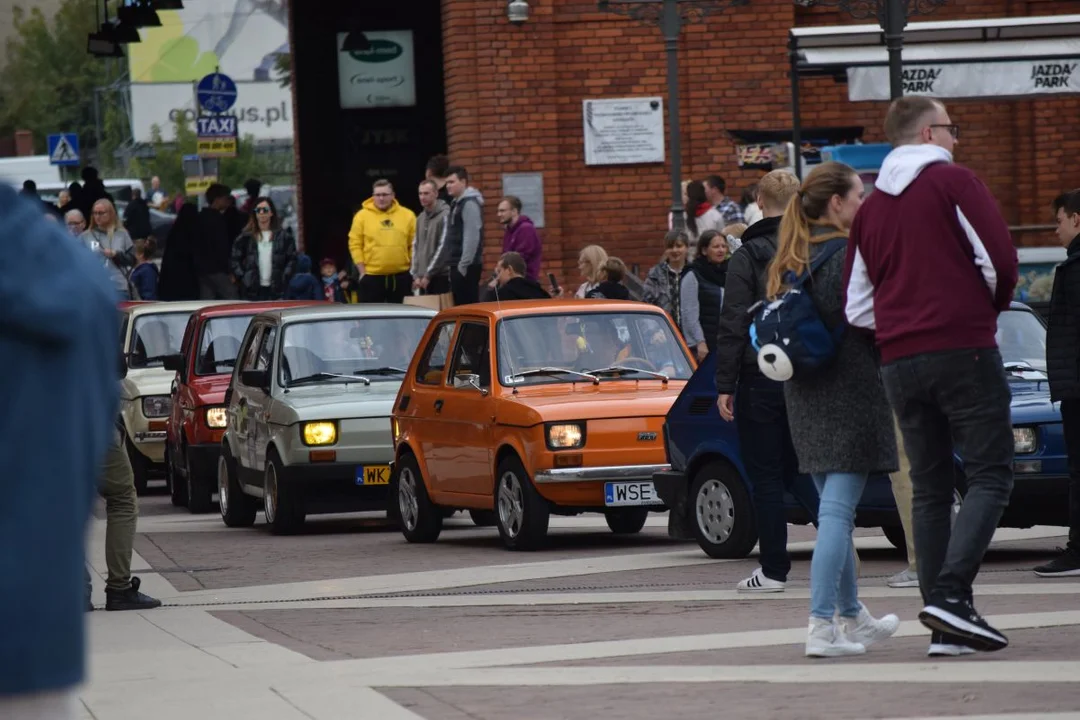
462 241
121 263
429 231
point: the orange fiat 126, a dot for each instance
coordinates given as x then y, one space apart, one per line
531 408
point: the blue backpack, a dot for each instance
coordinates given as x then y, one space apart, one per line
788 333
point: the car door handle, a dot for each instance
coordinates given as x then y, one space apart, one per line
438 405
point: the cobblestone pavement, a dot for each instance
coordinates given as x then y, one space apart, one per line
347 620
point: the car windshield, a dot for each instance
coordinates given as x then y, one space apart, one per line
375 348
154 336
557 348
220 344
1021 338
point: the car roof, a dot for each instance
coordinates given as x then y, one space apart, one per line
188 306
253 308
555 306
327 311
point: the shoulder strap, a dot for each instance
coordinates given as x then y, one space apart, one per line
831 248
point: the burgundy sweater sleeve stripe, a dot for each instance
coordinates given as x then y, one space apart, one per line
979 215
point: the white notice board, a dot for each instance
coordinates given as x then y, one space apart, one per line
624 131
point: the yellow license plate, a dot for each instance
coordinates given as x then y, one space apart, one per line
373 475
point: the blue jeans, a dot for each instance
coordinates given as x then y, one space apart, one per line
833 586
771 464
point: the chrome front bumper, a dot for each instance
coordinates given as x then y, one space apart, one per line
598 474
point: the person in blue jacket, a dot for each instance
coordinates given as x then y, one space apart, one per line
304 285
60 350
144 278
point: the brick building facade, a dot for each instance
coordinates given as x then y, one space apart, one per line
513 98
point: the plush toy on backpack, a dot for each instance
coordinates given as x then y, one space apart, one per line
788 333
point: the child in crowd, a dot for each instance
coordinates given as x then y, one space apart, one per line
303 285
331 282
611 276
144 278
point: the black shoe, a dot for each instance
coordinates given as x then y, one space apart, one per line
1067 564
959 618
945 645
130 599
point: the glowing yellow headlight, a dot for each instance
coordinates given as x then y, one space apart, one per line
565 435
216 417
319 433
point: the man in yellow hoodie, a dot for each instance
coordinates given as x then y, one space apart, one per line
380 243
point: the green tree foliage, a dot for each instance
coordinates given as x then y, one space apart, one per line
250 162
47 84
283 68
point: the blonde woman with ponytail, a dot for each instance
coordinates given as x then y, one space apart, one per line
840 420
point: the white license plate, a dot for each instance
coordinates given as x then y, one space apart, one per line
619 494
373 475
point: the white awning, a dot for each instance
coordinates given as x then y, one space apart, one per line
1005 57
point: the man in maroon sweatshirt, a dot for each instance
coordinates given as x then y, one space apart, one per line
930 265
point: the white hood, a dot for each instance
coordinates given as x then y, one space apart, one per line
903 165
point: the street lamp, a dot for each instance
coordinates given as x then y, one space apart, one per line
670 16
892 16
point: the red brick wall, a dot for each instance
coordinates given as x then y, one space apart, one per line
514 105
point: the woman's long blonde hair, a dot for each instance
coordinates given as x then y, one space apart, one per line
807 210
596 256
114 223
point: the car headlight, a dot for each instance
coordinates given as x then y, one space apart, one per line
565 436
319 433
216 417
156 406
1024 440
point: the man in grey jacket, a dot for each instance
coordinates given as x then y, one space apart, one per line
432 279
462 243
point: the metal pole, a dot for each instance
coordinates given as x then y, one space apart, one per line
796 114
893 24
670 25
97 125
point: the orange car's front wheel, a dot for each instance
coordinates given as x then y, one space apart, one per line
521 514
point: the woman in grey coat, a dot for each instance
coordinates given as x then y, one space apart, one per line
841 423
108 239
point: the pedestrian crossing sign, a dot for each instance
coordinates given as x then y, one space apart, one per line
64 149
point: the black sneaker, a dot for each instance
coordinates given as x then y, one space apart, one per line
959 618
130 599
945 645
1067 564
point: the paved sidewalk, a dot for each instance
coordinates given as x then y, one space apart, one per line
611 653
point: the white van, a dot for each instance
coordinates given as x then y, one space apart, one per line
119 188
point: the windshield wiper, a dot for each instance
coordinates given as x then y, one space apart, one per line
555 371
316 377
388 370
624 370
1019 366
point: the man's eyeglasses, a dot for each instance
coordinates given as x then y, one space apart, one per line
954 130
77 224
262 210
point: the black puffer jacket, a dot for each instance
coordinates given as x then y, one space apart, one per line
744 286
1063 332
245 263
711 278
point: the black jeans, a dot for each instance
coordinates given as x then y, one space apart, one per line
466 288
956 400
771 464
384 288
1070 420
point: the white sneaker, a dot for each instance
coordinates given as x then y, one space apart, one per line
826 638
904 579
866 630
940 646
758 583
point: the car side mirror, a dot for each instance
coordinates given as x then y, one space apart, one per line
174 363
256 378
474 380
